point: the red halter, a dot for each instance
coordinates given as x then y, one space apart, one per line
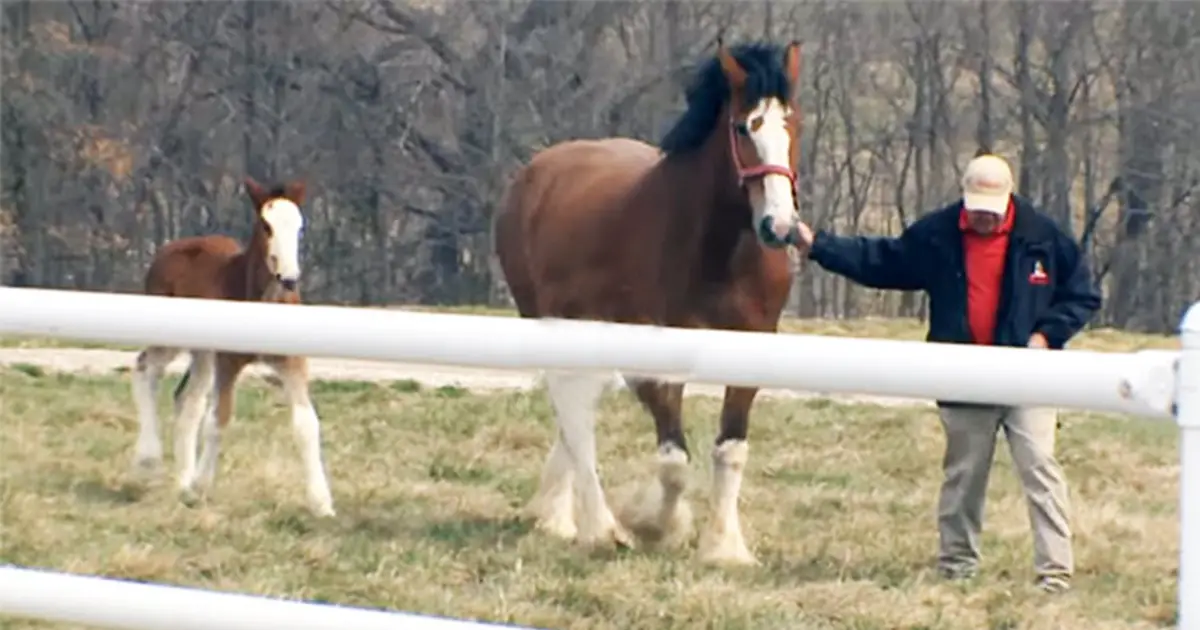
754 172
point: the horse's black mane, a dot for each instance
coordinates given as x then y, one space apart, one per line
765 77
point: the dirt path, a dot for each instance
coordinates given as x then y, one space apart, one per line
95 361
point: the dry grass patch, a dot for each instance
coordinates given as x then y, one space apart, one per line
14 341
838 505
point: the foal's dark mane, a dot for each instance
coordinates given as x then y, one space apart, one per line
275 191
708 91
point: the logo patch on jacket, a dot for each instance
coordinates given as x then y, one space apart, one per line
1039 275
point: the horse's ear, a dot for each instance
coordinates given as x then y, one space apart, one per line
294 190
793 62
256 192
730 66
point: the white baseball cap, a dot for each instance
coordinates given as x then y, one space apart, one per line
987 184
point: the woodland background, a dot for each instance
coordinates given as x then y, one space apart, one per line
127 124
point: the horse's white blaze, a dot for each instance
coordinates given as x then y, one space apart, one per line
774 145
283 246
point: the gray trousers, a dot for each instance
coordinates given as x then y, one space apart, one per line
971 435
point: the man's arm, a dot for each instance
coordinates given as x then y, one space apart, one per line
873 261
1076 297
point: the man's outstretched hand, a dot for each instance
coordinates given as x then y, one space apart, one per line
802 237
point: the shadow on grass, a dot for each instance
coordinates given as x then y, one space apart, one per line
377 526
477 531
888 573
97 491
452 534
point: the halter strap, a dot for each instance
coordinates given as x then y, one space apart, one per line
753 172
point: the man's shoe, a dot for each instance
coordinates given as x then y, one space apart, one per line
1053 584
956 574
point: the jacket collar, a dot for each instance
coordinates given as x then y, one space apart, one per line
1002 230
1026 226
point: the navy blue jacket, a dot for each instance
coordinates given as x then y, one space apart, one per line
928 257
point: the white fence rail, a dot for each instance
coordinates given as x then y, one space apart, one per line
120 604
1147 383
1137 383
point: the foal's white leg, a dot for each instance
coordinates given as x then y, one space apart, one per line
554 504
210 446
147 372
307 431
722 541
574 397
193 405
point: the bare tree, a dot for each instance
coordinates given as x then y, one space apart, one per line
127 125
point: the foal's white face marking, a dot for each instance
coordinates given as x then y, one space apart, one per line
283 218
767 124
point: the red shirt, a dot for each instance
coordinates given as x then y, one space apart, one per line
984 256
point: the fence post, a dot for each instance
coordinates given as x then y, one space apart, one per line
1187 416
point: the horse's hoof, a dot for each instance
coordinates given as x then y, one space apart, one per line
730 560
673 472
622 538
551 515
563 527
614 535
731 555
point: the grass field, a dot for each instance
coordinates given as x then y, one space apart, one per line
837 503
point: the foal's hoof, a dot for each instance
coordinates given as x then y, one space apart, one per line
147 469
320 503
189 497
323 511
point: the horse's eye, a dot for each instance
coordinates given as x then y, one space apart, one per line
742 129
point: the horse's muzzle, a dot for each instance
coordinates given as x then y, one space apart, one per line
769 234
288 284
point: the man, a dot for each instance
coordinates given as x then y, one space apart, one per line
997 272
